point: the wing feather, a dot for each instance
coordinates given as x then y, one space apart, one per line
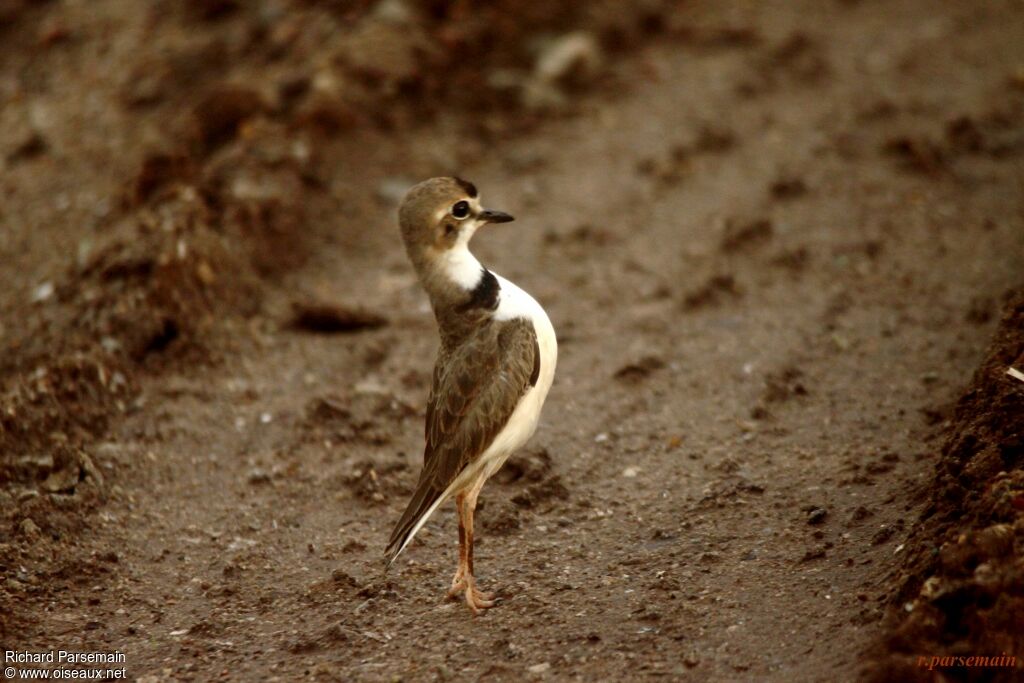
475 389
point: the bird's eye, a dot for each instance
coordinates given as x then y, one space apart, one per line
460 210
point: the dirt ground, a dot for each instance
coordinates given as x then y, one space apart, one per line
963 585
775 239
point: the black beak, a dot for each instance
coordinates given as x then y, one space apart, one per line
488 216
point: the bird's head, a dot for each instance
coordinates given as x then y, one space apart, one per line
439 216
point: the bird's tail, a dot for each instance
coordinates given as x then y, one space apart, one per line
424 501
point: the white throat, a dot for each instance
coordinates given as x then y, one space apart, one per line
460 266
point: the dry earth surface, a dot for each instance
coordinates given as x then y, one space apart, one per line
775 239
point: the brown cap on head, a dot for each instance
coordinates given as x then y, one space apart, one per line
419 210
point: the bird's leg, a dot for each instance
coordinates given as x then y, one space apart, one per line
474 598
459 580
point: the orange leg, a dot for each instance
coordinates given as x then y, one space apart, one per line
459 580
463 581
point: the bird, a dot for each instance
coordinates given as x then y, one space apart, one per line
495 364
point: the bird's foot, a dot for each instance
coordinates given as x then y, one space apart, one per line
458 584
476 600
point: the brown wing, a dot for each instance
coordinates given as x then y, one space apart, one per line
474 395
475 389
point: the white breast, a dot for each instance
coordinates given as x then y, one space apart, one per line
515 303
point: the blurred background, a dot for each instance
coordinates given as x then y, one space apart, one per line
776 240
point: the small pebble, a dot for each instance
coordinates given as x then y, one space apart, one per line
258 476
817 516
42 292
